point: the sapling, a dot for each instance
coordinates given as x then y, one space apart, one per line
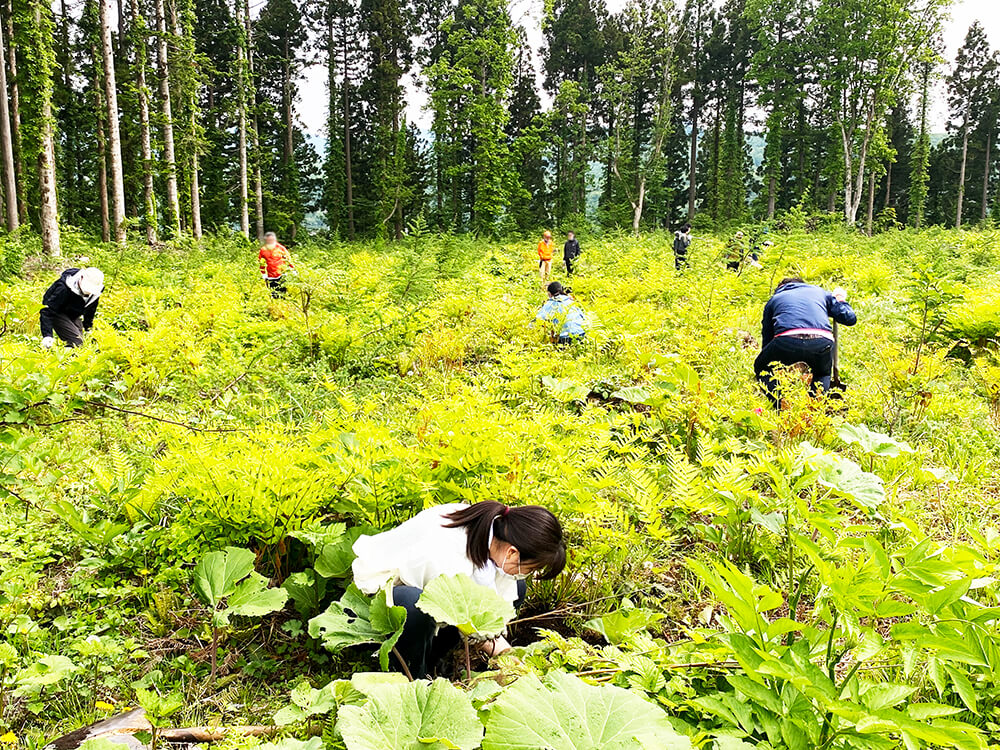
226 581
479 613
158 709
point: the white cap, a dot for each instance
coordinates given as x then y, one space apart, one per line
91 281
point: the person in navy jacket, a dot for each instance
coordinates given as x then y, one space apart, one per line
796 328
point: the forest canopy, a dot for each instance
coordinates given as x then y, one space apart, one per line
176 117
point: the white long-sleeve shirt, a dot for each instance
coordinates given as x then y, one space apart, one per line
418 551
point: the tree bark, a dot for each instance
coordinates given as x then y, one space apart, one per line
114 133
986 175
258 181
195 184
870 215
241 55
888 185
149 194
961 174
15 115
169 156
48 200
7 146
348 177
102 157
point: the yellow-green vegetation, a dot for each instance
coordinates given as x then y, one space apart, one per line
819 577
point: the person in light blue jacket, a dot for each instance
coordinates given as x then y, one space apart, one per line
564 316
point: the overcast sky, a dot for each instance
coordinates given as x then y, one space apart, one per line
527 13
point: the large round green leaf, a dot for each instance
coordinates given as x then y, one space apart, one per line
566 713
474 609
217 573
416 715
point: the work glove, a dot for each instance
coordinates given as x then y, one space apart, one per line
47 342
840 294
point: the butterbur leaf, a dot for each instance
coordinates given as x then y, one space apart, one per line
844 477
253 598
290 714
48 670
334 559
617 626
217 573
458 600
306 589
417 715
356 620
566 713
872 443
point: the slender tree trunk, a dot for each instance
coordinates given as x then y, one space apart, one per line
173 200
195 183
348 176
149 194
15 115
986 175
114 134
961 174
258 181
888 185
870 217
48 200
638 205
102 158
772 190
7 146
286 105
241 55
71 153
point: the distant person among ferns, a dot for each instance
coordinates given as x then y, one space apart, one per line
571 251
69 305
274 261
545 247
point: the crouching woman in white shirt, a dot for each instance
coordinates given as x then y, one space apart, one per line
495 545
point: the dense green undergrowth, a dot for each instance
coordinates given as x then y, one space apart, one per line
822 577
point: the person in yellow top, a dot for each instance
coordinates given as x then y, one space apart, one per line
545 248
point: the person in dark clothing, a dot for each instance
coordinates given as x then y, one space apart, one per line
571 251
682 240
796 328
69 305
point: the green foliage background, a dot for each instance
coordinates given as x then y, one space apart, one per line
201 414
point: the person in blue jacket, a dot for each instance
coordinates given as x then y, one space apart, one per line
796 328
564 316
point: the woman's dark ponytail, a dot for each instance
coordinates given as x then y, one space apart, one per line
531 528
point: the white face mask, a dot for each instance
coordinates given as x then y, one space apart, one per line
519 576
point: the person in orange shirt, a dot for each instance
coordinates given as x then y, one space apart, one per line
274 259
545 256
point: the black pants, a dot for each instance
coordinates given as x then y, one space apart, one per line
277 287
420 648
570 260
69 330
816 353
680 258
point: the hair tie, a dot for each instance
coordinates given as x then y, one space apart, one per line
505 511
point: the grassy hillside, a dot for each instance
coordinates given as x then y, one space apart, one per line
822 577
